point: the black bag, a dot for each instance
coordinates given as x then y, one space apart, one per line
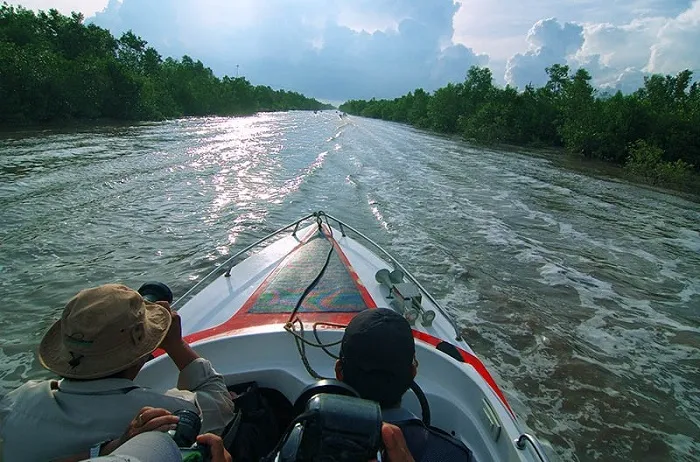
254 431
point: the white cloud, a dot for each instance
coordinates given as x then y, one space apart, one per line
622 46
617 56
498 28
362 48
627 81
330 49
562 39
607 78
495 28
677 45
550 43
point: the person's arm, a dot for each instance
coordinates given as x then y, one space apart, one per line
198 376
173 343
148 419
182 354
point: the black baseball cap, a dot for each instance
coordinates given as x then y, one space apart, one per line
377 353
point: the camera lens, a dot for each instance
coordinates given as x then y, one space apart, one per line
187 429
155 292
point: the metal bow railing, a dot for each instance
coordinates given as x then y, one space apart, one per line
319 216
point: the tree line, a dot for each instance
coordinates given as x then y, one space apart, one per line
54 67
654 132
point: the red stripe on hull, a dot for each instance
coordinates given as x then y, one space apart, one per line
242 320
472 361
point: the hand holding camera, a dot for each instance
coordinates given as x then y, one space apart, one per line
331 428
185 436
216 447
183 426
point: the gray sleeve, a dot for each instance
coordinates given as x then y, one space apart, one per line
201 384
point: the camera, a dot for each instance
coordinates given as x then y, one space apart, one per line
333 428
185 436
155 291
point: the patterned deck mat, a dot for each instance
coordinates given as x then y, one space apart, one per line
335 292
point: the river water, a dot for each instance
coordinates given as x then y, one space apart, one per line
581 294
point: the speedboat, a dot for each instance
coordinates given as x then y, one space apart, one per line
275 312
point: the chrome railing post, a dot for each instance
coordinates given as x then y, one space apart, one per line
523 439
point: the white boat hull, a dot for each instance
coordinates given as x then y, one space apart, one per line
238 323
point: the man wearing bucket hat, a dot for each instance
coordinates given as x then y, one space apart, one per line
378 359
104 337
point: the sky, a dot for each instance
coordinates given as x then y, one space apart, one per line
345 49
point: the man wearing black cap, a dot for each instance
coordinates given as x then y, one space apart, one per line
377 359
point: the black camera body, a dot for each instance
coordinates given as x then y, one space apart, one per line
334 428
185 436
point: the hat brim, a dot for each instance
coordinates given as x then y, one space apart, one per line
54 356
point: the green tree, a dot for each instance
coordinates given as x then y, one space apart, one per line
54 66
566 111
578 128
444 108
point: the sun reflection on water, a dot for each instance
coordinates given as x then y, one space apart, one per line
243 162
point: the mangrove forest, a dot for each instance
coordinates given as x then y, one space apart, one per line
56 67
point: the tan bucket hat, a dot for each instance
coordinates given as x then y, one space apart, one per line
103 330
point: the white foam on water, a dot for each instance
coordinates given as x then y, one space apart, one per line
377 213
690 239
588 287
690 291
529 256
15 369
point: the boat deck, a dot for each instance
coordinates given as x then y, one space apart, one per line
238 322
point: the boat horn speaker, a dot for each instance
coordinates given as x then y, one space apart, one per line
411 314
383 277
427 318
406 309
398 303
396 276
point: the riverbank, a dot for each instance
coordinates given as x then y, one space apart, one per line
652 132
597 168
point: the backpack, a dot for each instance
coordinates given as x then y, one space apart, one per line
255 429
